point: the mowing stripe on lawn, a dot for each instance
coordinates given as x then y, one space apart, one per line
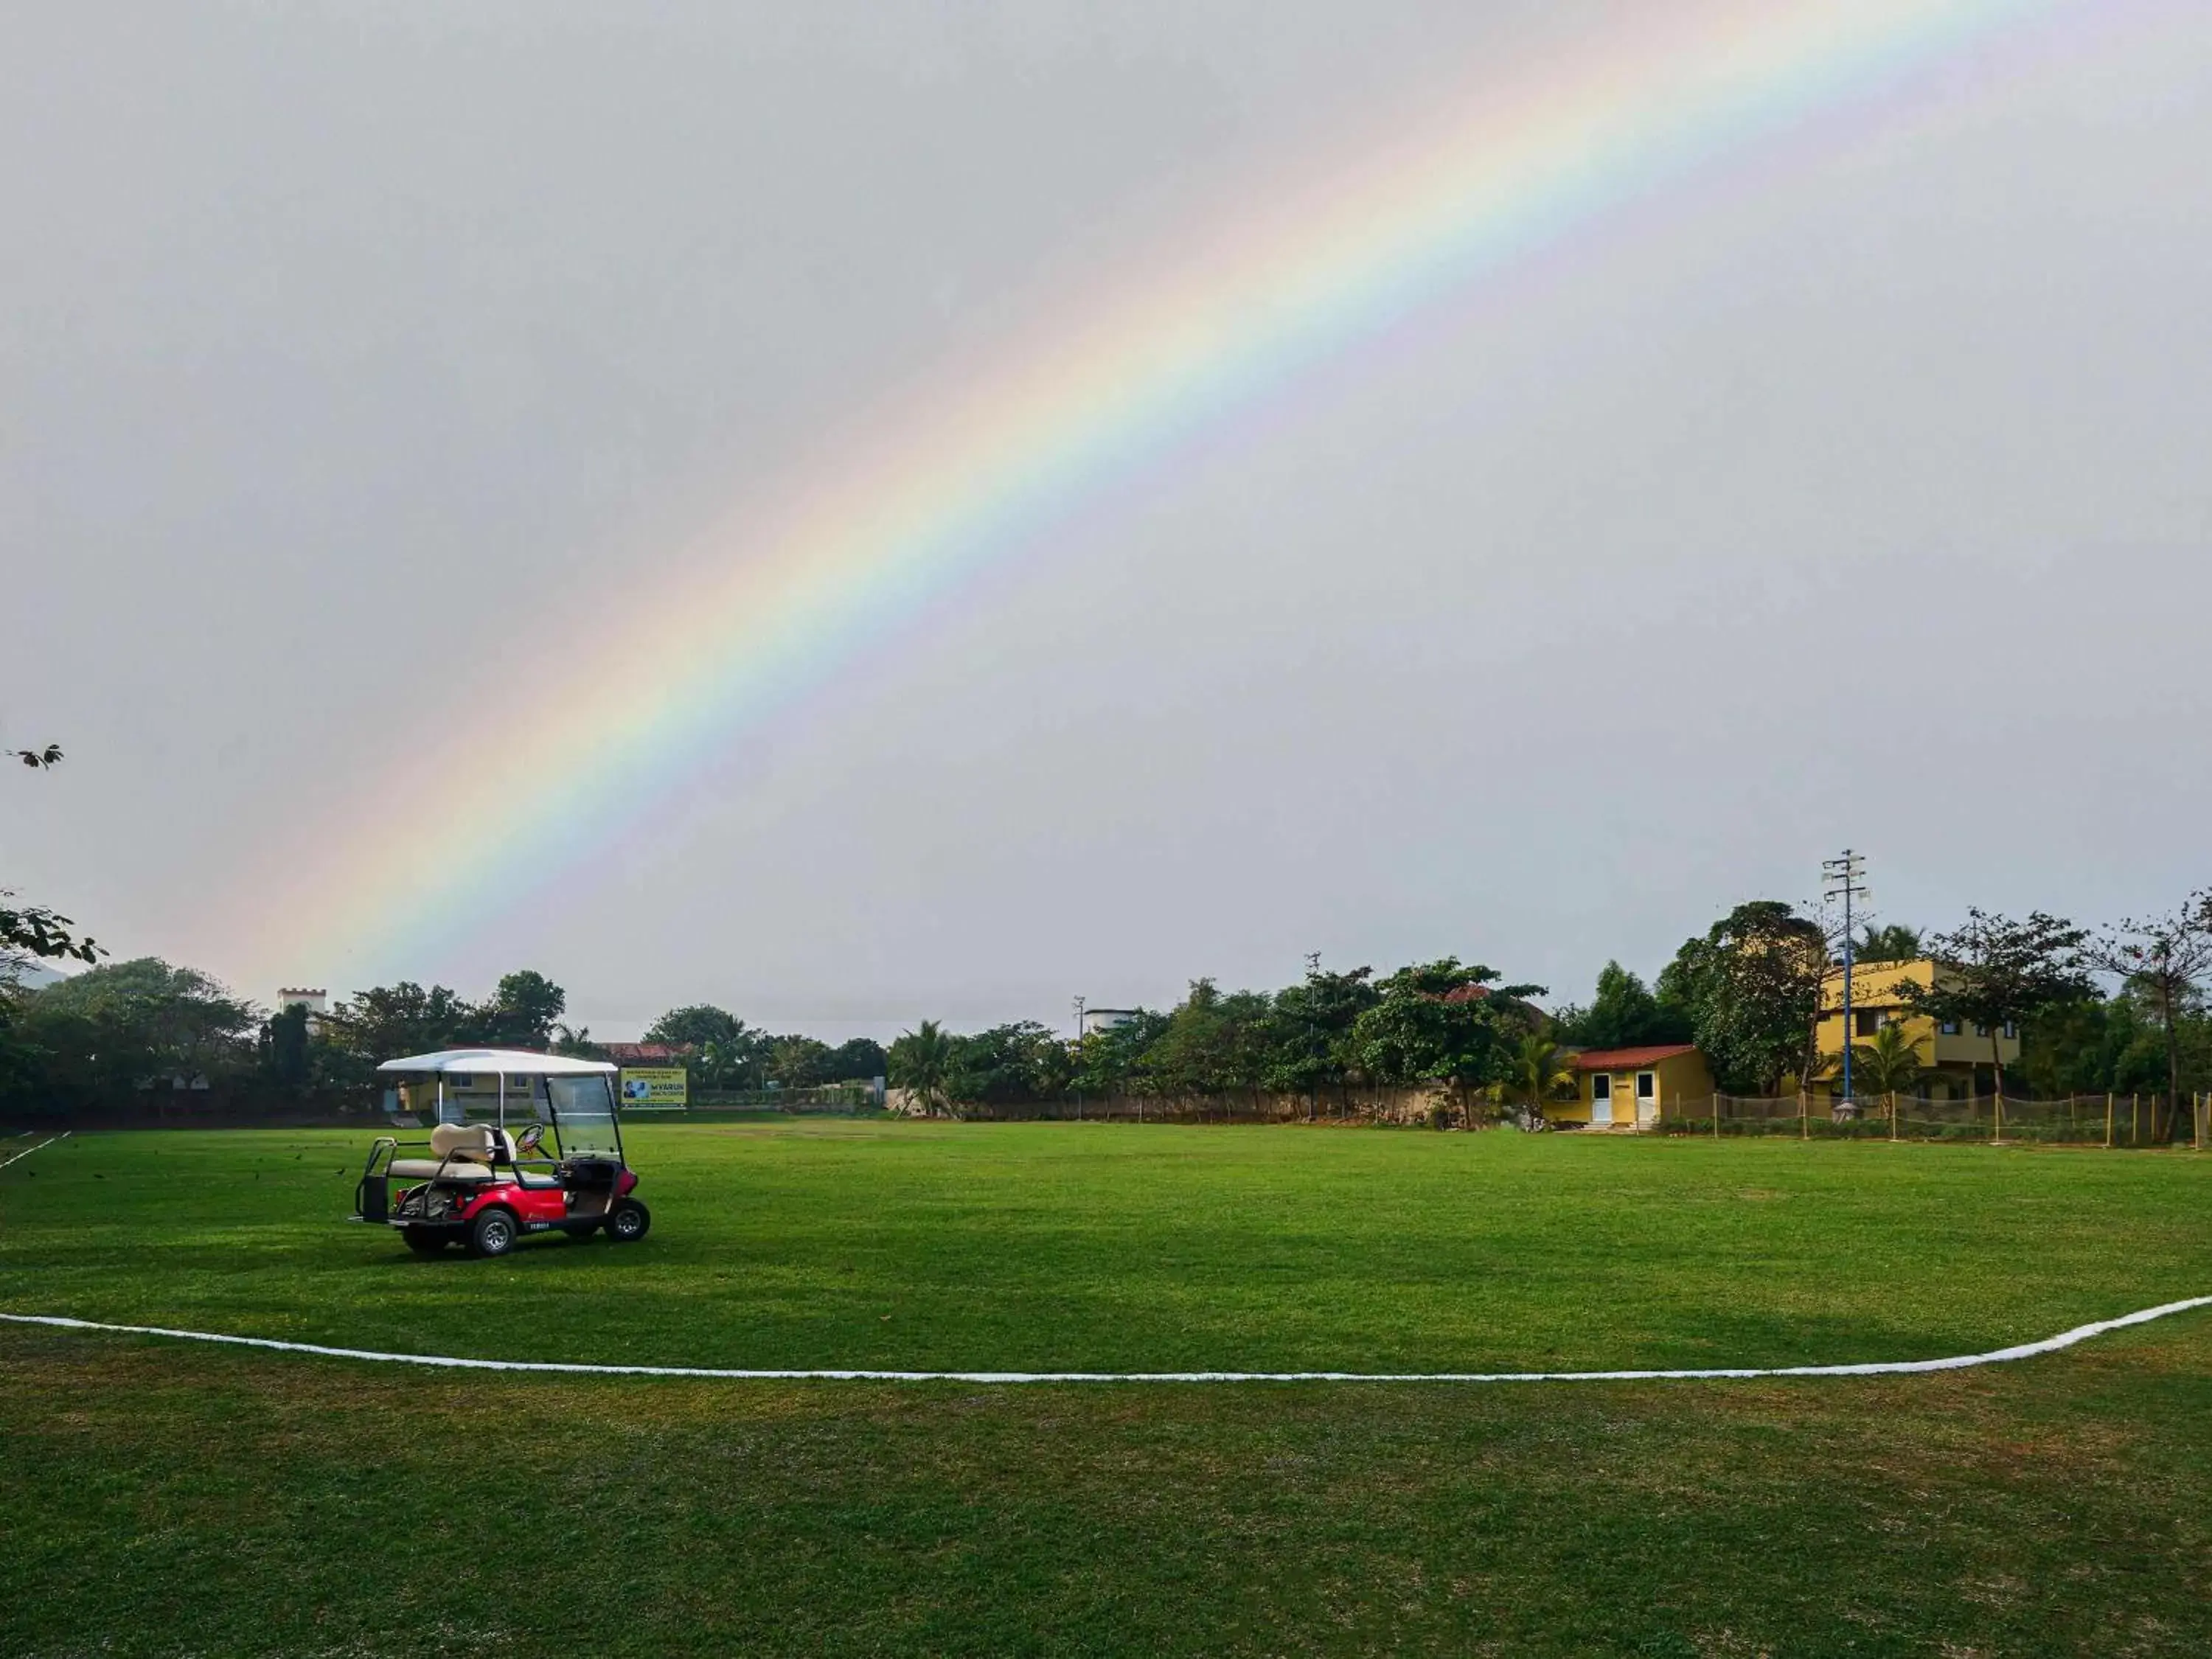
1882 1368
41 1146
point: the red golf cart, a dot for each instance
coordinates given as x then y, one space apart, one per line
519 1143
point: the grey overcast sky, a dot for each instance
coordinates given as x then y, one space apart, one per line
1853 490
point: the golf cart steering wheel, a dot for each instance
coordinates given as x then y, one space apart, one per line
527 1143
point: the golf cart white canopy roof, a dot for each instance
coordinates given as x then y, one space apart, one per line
498 1062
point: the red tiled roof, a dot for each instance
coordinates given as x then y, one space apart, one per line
1464 993
634 1051
1620 1060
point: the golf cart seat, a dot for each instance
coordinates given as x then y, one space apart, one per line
464 1152
426 1168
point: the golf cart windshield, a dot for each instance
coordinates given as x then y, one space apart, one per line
584 1116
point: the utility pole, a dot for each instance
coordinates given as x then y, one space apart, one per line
1844 877
1076 1052
1313 1089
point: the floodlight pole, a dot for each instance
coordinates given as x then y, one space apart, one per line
1840 877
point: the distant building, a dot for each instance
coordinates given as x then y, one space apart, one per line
1955 1058
1105 1020
1629 1088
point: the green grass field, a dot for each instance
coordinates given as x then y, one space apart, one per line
162 1497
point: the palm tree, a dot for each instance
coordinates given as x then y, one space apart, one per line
921 1063
1889 1065
1892 942
1537 1072
575 1042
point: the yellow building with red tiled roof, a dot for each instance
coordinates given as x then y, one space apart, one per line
1631 1088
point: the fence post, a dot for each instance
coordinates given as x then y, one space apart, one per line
2108 1120
1996 1117
1893 1115
2134 1120
1717 1114
1804 1113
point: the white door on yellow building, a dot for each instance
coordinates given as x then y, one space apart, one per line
1647 1099
1600 1101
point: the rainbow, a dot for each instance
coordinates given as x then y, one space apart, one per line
773 602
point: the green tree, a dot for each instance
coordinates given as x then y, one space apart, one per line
1889 1065
740 1063
857 1060
1892 942
1006 1064
576 1042
726 1053
2165 959
1752 987
39 760
2116 1044
1214 1042
1998 972
921 1063
2069 1050
1311 1044
1114 1060
29 934
285 1052
798 1062
1442 1022
523 1009
696 1025
120 1026
1536 1072
32 930
387 1022
1623 1014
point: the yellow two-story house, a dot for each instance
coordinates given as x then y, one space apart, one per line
1956 1057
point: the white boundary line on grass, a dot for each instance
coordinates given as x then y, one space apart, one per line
1886 1368
41 1146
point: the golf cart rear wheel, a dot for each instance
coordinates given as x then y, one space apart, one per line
492 1233
425 1240
628 1221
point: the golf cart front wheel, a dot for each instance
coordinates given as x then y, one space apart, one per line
628 1222
491 1233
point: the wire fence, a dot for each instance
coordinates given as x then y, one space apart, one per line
1413 1105
821 1100
2113 1120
